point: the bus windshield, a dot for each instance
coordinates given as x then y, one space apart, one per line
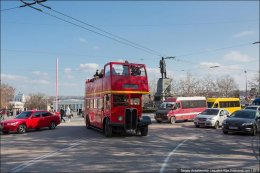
126 70
120 100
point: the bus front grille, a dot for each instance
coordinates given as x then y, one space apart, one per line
130 118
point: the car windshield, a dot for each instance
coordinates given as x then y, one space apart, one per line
210 104
24 115
210 112
166 105
244 114
253 108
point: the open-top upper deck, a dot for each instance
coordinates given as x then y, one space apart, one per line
120 77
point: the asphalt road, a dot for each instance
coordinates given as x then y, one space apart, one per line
167 148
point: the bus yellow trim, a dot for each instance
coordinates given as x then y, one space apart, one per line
118 92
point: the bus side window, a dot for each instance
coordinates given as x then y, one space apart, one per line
106 101
107 70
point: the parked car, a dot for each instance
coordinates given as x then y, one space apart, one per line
246 121
33 119
211 117
254 107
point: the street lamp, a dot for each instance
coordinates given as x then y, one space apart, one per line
246 82
257 42
215 66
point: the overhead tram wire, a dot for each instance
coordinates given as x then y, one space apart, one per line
128 41
150 51
12 8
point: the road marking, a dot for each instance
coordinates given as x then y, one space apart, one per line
34 161
170 154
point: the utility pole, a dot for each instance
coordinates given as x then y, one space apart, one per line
246 82
57 82
257 42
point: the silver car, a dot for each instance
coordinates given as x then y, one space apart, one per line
211 117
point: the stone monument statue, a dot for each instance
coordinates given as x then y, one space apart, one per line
163 67
163 84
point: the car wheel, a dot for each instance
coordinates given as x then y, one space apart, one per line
144 131
107 128
225 132
197 126
52 125
158 121
216 126
253 133
87 122
173 120
21 129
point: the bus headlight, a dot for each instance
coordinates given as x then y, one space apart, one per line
120 118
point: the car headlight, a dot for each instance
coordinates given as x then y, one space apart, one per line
224 122
12 124
211 119
247 124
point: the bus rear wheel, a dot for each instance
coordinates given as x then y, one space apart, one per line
87 122
107 128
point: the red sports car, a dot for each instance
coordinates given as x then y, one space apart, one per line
33 119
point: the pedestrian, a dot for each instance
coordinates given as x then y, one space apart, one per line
68 114
62 112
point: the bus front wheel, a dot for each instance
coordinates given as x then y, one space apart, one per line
144 131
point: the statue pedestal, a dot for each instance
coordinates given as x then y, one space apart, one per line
163 90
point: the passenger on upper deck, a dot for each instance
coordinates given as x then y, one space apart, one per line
101 74
135 71
96 74
125 69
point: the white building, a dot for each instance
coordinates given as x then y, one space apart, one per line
20 97
18 103
74 104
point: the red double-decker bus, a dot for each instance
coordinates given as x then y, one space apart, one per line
113 100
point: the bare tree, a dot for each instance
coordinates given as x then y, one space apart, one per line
208 86
7 95
254 85
188 86
226 86
36 101
148 98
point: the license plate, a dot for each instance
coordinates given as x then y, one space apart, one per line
232 127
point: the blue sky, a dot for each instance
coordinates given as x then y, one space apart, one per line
31 41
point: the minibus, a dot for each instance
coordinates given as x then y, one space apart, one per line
180 108
230 104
